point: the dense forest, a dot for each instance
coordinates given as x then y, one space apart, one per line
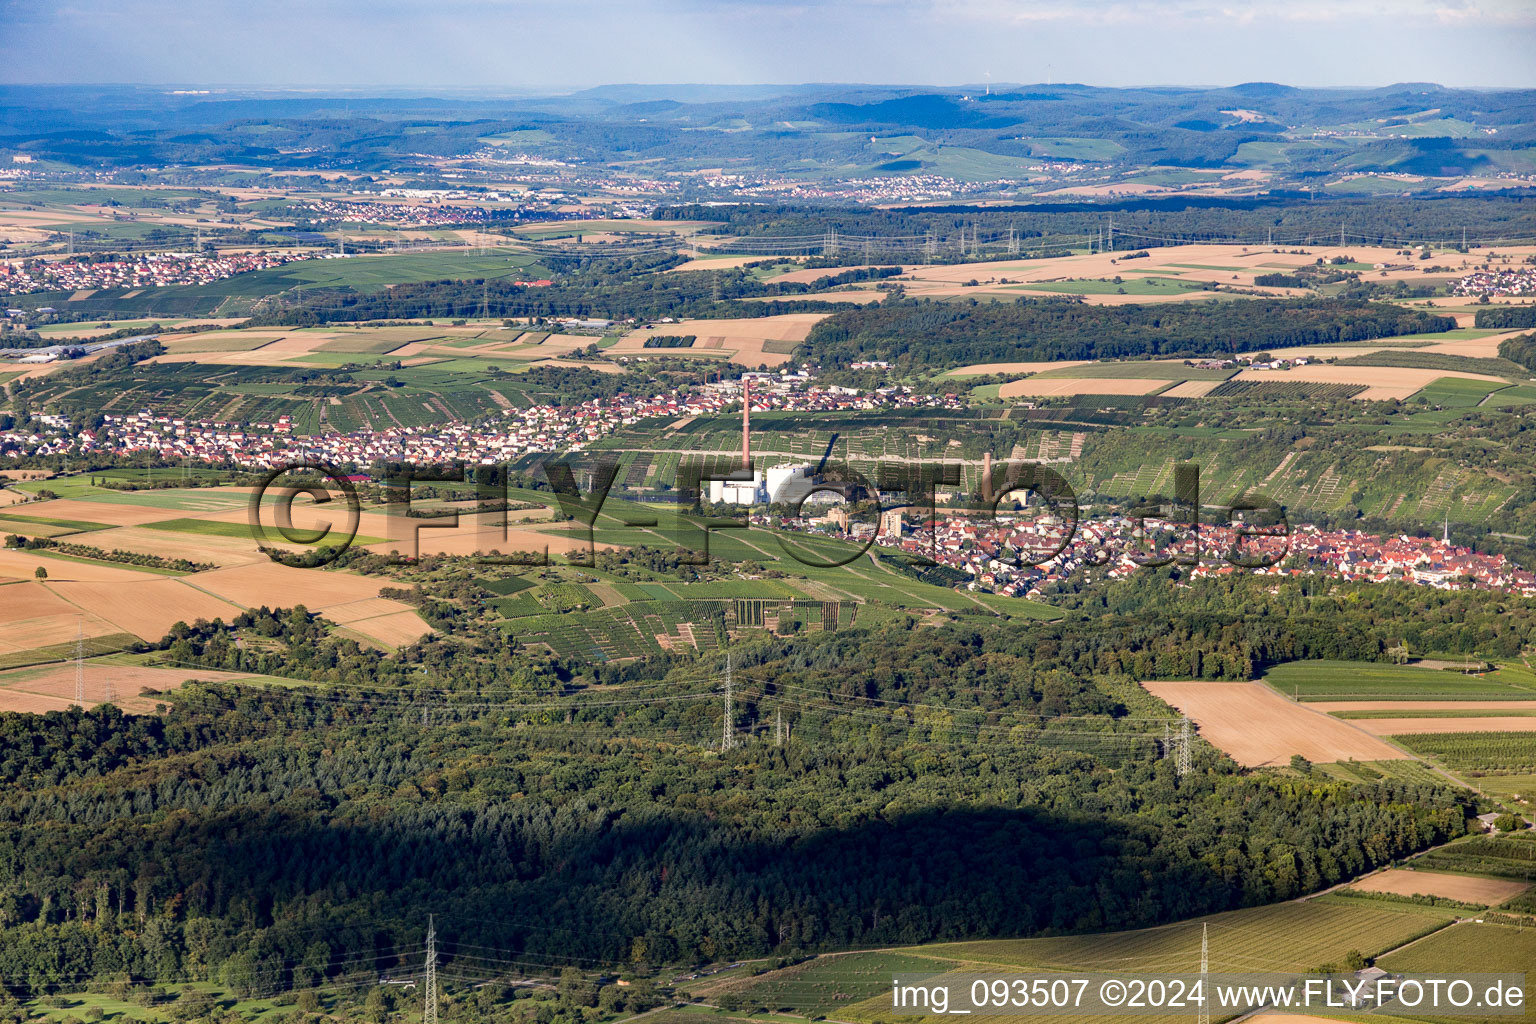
1149 221
607 288
1504 318
269 837
1520 350
911 334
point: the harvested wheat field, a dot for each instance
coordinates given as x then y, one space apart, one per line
598 367
22 565
33 616
1229 266
52 687
223 348
282 586
22 601
1038 387
1447 707
745 341
1466 888
721 263
470 540
147 606
1381 383
23 703
351 612
109 513
862 297
1256 726
340 596
1486 347
220 551
1398 726
398 629
1191 389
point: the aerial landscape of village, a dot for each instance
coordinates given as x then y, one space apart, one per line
491 534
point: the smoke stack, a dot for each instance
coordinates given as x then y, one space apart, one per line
986 475
746 423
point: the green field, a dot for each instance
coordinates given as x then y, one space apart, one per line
1473 947
1289 937
216 528
1347 680
1502 856
76 1006
233 341
1492 947
1521 784
1459 392
368 273
377 342
1520 394
197 499
1480 751
59 527
1280 937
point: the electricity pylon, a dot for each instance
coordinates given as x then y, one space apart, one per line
429 1014
727 737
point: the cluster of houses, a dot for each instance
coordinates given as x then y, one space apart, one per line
996 552
1519 281
1250 362
894 188
140 271
993 552
541 428
407 215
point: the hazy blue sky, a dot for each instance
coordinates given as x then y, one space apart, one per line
561 44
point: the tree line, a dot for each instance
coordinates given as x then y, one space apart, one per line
922 333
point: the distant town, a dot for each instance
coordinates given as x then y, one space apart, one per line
1520 281
145 270
986 554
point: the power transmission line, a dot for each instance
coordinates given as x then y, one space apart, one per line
429 1013
727 736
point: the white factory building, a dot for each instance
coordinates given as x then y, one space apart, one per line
788 483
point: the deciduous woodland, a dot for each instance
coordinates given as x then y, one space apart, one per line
944 334
1018 765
